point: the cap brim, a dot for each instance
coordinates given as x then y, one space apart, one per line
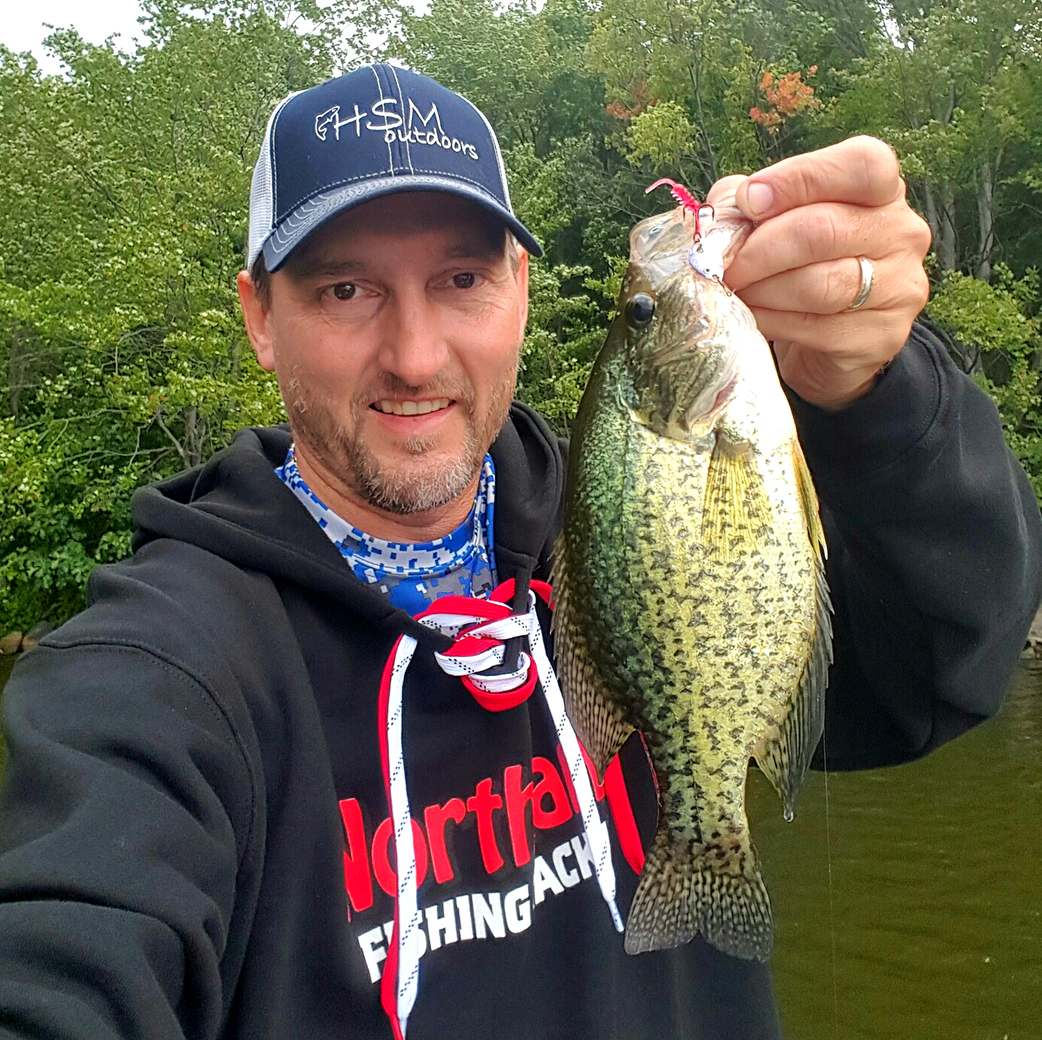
313 213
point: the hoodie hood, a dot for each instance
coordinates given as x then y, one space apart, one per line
225 506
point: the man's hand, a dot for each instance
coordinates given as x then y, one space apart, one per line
799 271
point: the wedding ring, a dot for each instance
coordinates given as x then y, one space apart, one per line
867 273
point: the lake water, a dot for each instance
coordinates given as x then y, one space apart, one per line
912 907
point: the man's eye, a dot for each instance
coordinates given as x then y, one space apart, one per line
465 280
344 290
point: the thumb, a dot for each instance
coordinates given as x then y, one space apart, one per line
722 194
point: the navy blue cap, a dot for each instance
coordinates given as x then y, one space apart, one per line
375 131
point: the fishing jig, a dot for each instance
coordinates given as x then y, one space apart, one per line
685 198
709 265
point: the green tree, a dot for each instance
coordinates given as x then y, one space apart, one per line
953 91
122 221
125 183
998 337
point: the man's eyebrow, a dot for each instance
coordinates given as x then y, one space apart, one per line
309 267
477 249
324 267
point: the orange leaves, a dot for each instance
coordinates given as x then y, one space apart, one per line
786 96
641 101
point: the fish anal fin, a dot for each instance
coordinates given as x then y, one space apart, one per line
736 510
716 892
785 750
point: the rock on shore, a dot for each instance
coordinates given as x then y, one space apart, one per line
11 643
14 642
1033 647
35 634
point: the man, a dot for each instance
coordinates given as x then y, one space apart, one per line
196 837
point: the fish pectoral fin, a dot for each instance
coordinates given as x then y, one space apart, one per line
687 890
785 751
736 509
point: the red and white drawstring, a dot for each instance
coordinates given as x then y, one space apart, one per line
480 628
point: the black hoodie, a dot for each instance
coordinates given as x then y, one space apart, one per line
193 823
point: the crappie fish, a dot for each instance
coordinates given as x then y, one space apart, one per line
691 601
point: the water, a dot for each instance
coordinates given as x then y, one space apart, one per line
914 909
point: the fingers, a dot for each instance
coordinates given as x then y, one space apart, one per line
722 193
799 271
820 232
831 287
862 171
849 340
834 358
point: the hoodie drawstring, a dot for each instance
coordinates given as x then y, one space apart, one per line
480 628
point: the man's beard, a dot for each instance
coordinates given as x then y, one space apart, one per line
349 460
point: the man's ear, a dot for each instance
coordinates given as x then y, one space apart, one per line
522 285
256 313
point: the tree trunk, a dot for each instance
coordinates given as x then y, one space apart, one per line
17 369
930 205
946 246
986 218
195 435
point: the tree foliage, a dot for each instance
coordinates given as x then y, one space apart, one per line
125 183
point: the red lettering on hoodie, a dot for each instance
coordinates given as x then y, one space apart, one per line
518 799
357 878
386 878
549 789
598 787
483 803
550 796
436 817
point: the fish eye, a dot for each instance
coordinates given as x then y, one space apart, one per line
640 310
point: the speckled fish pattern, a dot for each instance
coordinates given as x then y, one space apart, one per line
691 601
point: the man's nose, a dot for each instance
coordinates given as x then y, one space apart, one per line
415 349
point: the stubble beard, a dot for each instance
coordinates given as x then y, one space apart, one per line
428 481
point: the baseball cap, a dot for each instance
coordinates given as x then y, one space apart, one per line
375 131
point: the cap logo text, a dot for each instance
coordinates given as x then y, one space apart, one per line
416 128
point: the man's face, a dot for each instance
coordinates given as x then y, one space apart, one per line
394 332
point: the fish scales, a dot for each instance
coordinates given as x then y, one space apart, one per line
691 601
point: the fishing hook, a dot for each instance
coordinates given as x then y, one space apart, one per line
685 199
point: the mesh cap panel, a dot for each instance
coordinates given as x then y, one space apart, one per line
262 193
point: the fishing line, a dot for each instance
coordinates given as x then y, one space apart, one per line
832 908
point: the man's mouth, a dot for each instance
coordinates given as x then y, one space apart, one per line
411 407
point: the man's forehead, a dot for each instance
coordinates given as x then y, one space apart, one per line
459 227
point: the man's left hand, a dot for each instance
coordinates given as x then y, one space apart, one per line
799 272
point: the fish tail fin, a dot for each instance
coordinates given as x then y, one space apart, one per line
701 890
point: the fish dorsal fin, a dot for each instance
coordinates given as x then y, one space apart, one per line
809 500
736 510
785 751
